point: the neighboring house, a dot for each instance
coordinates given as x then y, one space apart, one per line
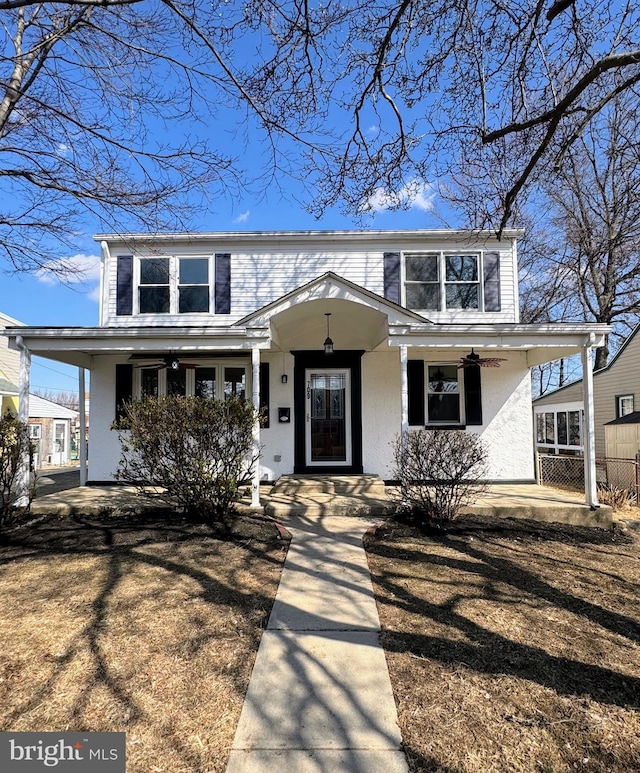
9 369
616 393
253 314
51 427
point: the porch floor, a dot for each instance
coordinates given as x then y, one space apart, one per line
328 495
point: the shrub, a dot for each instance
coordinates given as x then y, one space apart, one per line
617 497
15 450
439 472
198 452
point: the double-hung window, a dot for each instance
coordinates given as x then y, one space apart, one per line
624 405
193 288
443 395
154 291
174 285
438 281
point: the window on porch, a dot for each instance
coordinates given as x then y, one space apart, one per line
213 380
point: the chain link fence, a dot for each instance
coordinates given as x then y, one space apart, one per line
568 472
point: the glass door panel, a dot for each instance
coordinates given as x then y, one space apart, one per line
328 418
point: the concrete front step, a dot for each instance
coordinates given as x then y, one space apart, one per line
341 485
318 495
279 506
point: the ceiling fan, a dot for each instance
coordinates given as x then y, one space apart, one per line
483 362
170 363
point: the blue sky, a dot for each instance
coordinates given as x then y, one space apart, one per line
41 300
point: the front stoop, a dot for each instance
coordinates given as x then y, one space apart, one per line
313 495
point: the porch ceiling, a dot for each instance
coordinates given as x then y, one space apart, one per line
352 326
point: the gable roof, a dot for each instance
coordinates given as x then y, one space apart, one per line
41 408
322 287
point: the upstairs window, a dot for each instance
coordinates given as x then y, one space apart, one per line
154 294
624 405
193 289
437 281
461 281
174 285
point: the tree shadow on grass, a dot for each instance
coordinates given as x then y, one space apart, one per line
482 649
116 548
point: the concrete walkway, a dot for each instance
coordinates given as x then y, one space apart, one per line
319 698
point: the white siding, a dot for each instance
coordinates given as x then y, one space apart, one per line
262 275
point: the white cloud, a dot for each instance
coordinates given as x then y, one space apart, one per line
242 217
77 269
414 195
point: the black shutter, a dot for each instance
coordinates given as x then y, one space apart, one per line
124 388
391 262
223 284
472 395
124 284
264 393
492 281
415 379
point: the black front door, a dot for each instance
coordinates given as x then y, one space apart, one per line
328 412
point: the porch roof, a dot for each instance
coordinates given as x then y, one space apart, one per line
79 345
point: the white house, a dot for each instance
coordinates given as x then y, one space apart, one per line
250 313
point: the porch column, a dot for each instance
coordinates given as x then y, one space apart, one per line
589 441
82 444
404 390
23 415
255 394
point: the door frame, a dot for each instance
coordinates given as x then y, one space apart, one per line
341 360
346 419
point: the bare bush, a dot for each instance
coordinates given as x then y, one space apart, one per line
16 451
197 452
439 471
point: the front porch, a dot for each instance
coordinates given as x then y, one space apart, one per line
316 496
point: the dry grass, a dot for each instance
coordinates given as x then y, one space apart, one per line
512 646
148 627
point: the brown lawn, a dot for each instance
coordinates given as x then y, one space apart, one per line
512 646
148 626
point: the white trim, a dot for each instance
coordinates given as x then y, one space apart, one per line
404 390
589 438
348 460
330 235
82 444
255 395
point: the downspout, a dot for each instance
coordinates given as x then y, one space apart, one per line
23 416
589 441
